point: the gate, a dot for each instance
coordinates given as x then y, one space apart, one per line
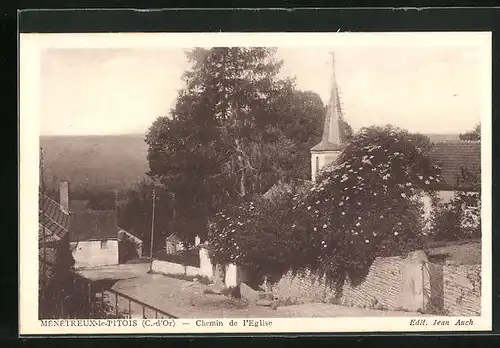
432 287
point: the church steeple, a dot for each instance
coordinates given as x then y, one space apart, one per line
331 132
330 147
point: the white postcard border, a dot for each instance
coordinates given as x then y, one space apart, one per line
32 44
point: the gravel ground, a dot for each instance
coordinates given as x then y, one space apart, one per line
185 299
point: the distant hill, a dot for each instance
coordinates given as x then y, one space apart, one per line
438 138
108 161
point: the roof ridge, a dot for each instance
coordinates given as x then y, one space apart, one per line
133 234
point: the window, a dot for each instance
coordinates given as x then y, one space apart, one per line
317 165
104 244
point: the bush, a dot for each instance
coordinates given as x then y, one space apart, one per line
366 205
255 234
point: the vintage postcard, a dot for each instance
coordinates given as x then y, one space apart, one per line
255 183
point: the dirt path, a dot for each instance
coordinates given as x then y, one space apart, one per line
324 310
185 299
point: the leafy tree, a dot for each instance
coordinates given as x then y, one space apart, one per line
135 214
474 134
236 129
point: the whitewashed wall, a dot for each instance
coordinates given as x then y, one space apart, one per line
325 158
89 253
233 275
166 267
206 268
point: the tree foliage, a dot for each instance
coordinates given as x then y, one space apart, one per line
236 129
473 135
365 206
135 214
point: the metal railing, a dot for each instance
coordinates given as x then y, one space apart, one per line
158 312
117 295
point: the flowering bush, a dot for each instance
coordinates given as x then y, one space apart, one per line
366 205
255 234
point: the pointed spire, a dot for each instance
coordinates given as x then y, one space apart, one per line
331 132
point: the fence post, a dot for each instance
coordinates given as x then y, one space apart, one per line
423 286
88 294
102 299
116 305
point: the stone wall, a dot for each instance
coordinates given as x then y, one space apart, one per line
396 283
380 289
462 289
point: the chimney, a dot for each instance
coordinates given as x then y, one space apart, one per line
64 195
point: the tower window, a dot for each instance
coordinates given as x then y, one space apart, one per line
104 244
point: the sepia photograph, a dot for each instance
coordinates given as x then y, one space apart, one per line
201 180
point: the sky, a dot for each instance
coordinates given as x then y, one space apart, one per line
118 91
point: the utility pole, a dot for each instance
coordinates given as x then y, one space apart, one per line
152 231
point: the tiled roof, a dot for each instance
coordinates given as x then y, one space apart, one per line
56 221
452 156
78 205
326 146
93 225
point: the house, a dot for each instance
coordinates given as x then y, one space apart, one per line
173 244
93 235
454 157
94 238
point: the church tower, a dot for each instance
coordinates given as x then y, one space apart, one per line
330 147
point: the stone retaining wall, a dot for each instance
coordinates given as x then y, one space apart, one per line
395 283
462 289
